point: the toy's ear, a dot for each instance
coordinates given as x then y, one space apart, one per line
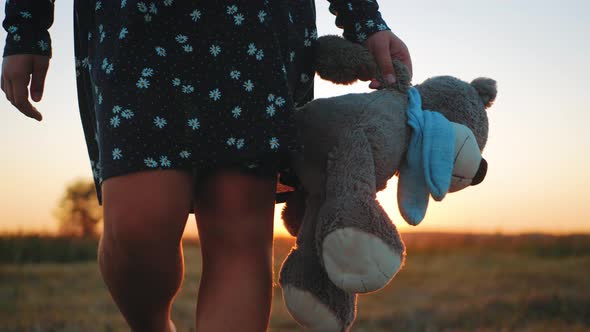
487 90
339 61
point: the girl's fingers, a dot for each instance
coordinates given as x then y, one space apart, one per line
16 76
383 57
363 73
400 51
40 66
375 84
20 96
20 93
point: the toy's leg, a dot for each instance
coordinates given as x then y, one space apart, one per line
293 210
311 298
359 245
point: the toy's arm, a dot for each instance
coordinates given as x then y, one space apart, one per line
338 60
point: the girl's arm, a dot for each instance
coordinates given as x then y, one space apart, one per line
358 18
363 24
27 22
26 53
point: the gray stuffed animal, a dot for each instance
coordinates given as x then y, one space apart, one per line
346 243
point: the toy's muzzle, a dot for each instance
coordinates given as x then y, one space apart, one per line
469 167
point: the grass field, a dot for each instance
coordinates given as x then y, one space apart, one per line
451 282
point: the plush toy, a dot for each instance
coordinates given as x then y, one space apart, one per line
430 135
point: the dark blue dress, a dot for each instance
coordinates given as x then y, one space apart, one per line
193 85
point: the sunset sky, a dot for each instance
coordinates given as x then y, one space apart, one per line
538 178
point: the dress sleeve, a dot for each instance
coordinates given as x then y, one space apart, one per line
358 18
27 22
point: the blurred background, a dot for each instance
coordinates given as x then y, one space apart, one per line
510 254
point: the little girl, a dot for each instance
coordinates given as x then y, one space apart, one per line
187 107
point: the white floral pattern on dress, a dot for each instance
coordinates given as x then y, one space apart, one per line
180 84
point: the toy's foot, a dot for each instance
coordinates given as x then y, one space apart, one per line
309 311
361 249
359 262
311 298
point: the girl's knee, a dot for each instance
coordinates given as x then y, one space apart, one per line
152 233
235 218
154 224
253 244
252 259
240 237
236 211
236 194
146 208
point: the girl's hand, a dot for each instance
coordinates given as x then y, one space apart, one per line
384 45
16 75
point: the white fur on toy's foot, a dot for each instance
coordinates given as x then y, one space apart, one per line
359 262
309 312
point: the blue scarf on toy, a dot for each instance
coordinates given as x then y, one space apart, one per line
429 160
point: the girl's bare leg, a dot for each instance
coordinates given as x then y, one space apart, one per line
235 221
140 255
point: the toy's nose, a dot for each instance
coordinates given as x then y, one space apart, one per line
481 173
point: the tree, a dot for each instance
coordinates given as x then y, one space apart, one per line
78 211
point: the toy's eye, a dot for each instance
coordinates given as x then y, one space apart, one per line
481 172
